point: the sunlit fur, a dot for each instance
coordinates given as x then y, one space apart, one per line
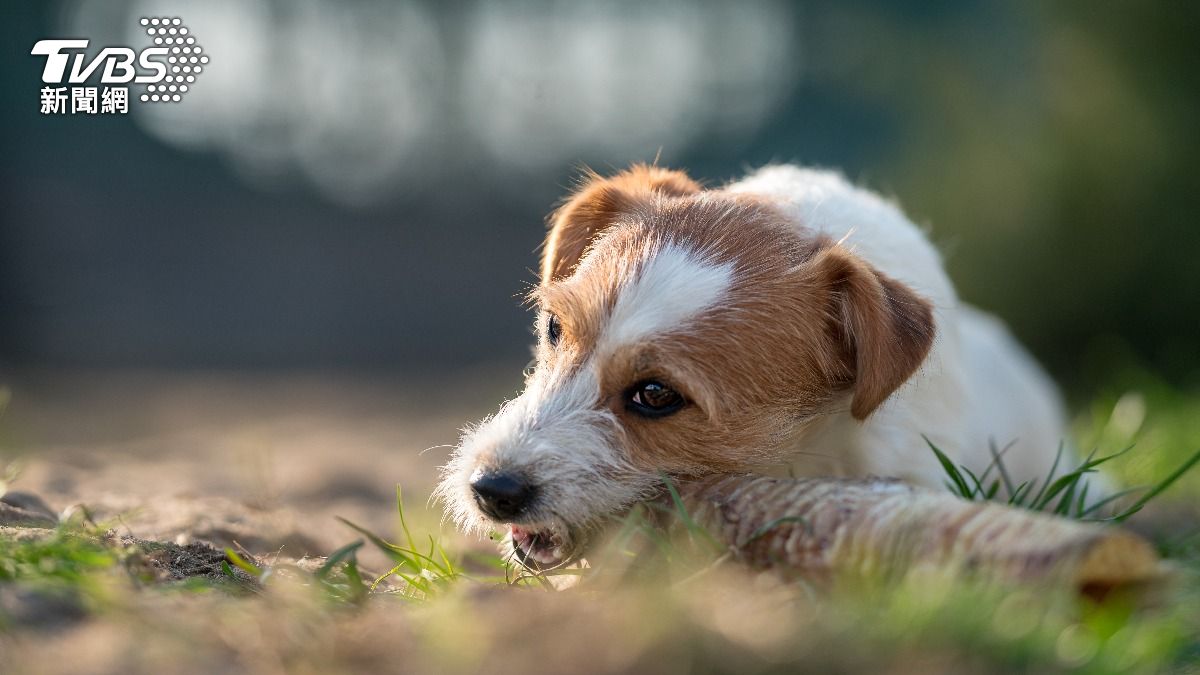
977 388
808 324
557 433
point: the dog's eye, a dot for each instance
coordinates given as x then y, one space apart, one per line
553 330
654 399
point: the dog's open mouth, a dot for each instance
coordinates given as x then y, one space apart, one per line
538 548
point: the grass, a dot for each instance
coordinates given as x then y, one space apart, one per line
448 606
69 558
425 573
1062 495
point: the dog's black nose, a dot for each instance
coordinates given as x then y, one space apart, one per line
502 496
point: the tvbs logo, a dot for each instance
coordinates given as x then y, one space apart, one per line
118 63
168 69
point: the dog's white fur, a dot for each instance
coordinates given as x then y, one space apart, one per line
975 389
557 431
691 284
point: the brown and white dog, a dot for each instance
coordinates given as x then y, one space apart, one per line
788 322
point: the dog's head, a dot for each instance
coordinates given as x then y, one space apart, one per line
681 331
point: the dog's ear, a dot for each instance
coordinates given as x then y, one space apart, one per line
597 204
885 330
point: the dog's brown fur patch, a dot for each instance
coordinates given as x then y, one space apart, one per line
597 204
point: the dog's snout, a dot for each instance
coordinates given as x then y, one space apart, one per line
502 496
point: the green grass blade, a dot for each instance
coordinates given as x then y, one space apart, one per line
358 589
1069 480
992 491
403 520
336 557
1160 488
397 553
444 566
1068 498
978 490
1018 497
242 564
952 472
1082 501
1050 476
1101 503
998 462
380 579
450 567
692 526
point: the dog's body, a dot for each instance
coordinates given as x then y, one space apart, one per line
786 323
977 388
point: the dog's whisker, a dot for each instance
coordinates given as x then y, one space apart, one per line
435 447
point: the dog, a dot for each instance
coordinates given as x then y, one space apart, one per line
789 322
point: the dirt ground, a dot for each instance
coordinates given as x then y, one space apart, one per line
266 462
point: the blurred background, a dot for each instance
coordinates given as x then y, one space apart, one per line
355 191
362 184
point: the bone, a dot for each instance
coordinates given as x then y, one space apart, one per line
824 530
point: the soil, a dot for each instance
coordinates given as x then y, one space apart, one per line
264 463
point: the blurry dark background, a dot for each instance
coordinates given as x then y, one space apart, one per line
362 185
